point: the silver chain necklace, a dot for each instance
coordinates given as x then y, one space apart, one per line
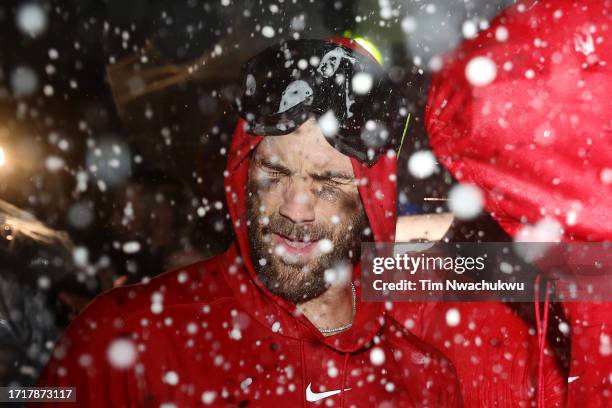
344 326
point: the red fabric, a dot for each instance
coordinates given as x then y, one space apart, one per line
537 141
536 146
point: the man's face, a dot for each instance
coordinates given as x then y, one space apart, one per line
305 213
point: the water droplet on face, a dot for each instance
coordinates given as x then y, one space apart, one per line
279 250
329 124
326 246
330 276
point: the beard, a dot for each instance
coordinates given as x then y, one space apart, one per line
301 280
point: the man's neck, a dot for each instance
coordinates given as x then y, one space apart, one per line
332 309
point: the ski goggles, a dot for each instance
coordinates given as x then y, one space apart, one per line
360 111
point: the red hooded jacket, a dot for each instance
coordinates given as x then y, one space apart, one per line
532 131
211 334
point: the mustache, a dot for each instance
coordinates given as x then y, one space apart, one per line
296 232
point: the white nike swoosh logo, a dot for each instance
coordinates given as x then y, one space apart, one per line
572 379
316 396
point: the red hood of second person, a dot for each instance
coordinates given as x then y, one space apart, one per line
537 138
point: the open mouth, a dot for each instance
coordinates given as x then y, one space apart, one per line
293 246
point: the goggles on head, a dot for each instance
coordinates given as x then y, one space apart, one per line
361 112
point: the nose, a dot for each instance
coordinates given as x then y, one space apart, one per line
298 203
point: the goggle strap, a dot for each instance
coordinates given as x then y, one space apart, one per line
403 135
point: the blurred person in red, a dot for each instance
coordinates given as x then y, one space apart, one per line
523 113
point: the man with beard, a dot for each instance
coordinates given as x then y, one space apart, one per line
277 319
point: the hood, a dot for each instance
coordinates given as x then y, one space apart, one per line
523 112
377 190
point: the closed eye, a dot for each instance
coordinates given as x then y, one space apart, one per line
334 178
273 169
336 182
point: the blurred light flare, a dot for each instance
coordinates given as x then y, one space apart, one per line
31 19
